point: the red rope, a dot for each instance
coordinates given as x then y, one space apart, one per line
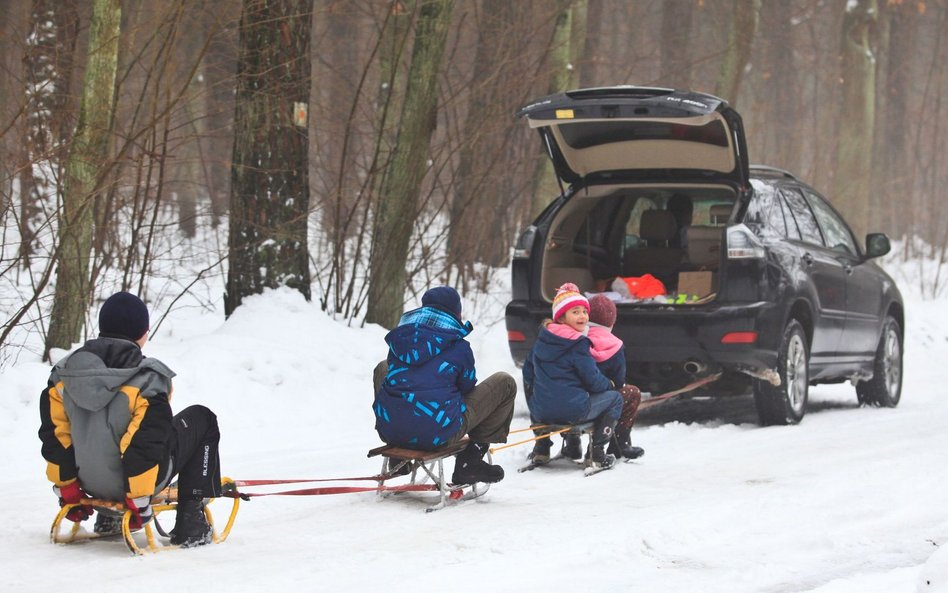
335 490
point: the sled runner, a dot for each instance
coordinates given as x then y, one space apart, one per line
424 465
166 500
586 428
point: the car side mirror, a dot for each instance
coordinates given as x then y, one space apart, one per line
877 245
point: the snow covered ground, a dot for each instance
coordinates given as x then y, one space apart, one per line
851 500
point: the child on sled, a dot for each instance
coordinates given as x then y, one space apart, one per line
564 383
107 430
609 353
427 394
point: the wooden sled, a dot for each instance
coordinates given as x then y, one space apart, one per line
166 500
399 461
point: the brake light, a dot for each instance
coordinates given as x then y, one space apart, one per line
742 243
739 338
515 336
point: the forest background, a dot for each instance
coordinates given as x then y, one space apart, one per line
359 150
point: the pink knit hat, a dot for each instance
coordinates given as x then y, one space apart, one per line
567 297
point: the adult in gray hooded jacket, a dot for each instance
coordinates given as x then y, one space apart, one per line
107 429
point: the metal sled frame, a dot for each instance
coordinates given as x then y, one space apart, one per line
586 428
166 500
399 461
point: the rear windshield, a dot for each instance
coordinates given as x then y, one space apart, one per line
585 134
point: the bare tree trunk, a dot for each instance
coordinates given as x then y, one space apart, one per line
85 169
676 43
740 38
219 71
269 178
857 114
891 174
589 68
487 129
561 56
399 197
48 65
781 111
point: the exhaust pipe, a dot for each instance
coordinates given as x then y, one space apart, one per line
695 367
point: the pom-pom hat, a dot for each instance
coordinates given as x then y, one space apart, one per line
567 297
602 311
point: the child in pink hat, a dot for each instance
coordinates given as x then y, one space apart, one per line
563 383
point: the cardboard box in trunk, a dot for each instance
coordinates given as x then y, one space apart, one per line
698 284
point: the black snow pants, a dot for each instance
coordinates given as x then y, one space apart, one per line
193 451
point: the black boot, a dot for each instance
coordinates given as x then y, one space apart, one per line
107 524
573 447
621 446
541 450
596 457
470 467
191 527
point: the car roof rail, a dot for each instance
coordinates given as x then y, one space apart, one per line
775 171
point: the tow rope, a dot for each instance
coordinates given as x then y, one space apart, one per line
381 478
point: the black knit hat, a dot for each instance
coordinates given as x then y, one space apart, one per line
444 298
123 315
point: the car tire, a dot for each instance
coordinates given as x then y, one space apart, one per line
884 390
786 403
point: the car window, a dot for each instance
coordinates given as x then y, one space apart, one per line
765 209
838 235
792 231
595 231
802 216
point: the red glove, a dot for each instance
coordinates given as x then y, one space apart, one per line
72 494
141 511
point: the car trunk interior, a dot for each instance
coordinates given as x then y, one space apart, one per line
624 239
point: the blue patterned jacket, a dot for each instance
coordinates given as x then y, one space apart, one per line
430 368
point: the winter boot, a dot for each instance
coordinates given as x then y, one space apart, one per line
621 446
572 447
596 456
470 467
399 468
598 459
191 528
541 451
107 524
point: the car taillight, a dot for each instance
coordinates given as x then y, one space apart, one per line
742 243
515 336
525 243
739 338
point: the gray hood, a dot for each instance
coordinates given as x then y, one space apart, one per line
92 385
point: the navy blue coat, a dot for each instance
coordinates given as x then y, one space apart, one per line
561 373
614 367
430 368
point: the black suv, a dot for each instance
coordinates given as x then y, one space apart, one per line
762 281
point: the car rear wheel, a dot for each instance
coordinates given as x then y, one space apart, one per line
786 403
885 388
